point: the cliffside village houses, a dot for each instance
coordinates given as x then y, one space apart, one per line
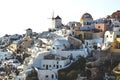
57 48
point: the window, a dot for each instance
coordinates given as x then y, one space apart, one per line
118 35
57 66
98 26
16 61
107 36
49 65
46 76
72 32
52 76
54 65
43 65
57 62
46 66
60 66
86 43
53 47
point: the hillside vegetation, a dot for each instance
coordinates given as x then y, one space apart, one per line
71 72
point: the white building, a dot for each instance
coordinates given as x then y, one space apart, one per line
89 43
101 20
5 40
62 32
57 22
75 53
60 44
42 74
12 62
73 24
116 26
62 47
110 36
92 42
29 32
47 75
87 22
53 61
5 55
35 59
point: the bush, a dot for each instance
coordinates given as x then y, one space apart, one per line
72 75
71 72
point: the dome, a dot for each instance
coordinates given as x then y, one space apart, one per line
116 14
86 16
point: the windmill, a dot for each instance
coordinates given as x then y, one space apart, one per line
52 18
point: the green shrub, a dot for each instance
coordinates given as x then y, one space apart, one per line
71 72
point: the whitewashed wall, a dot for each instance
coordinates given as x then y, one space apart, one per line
39 57
52 64
75 53
109 36
43 73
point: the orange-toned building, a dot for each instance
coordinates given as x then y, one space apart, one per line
102 27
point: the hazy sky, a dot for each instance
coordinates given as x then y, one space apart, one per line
18 15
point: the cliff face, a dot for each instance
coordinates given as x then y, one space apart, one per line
76 43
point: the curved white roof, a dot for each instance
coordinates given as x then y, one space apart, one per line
61 42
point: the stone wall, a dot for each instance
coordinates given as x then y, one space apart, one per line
75 43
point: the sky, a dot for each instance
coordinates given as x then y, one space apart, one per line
18 15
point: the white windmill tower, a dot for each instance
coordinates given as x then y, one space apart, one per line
56 21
